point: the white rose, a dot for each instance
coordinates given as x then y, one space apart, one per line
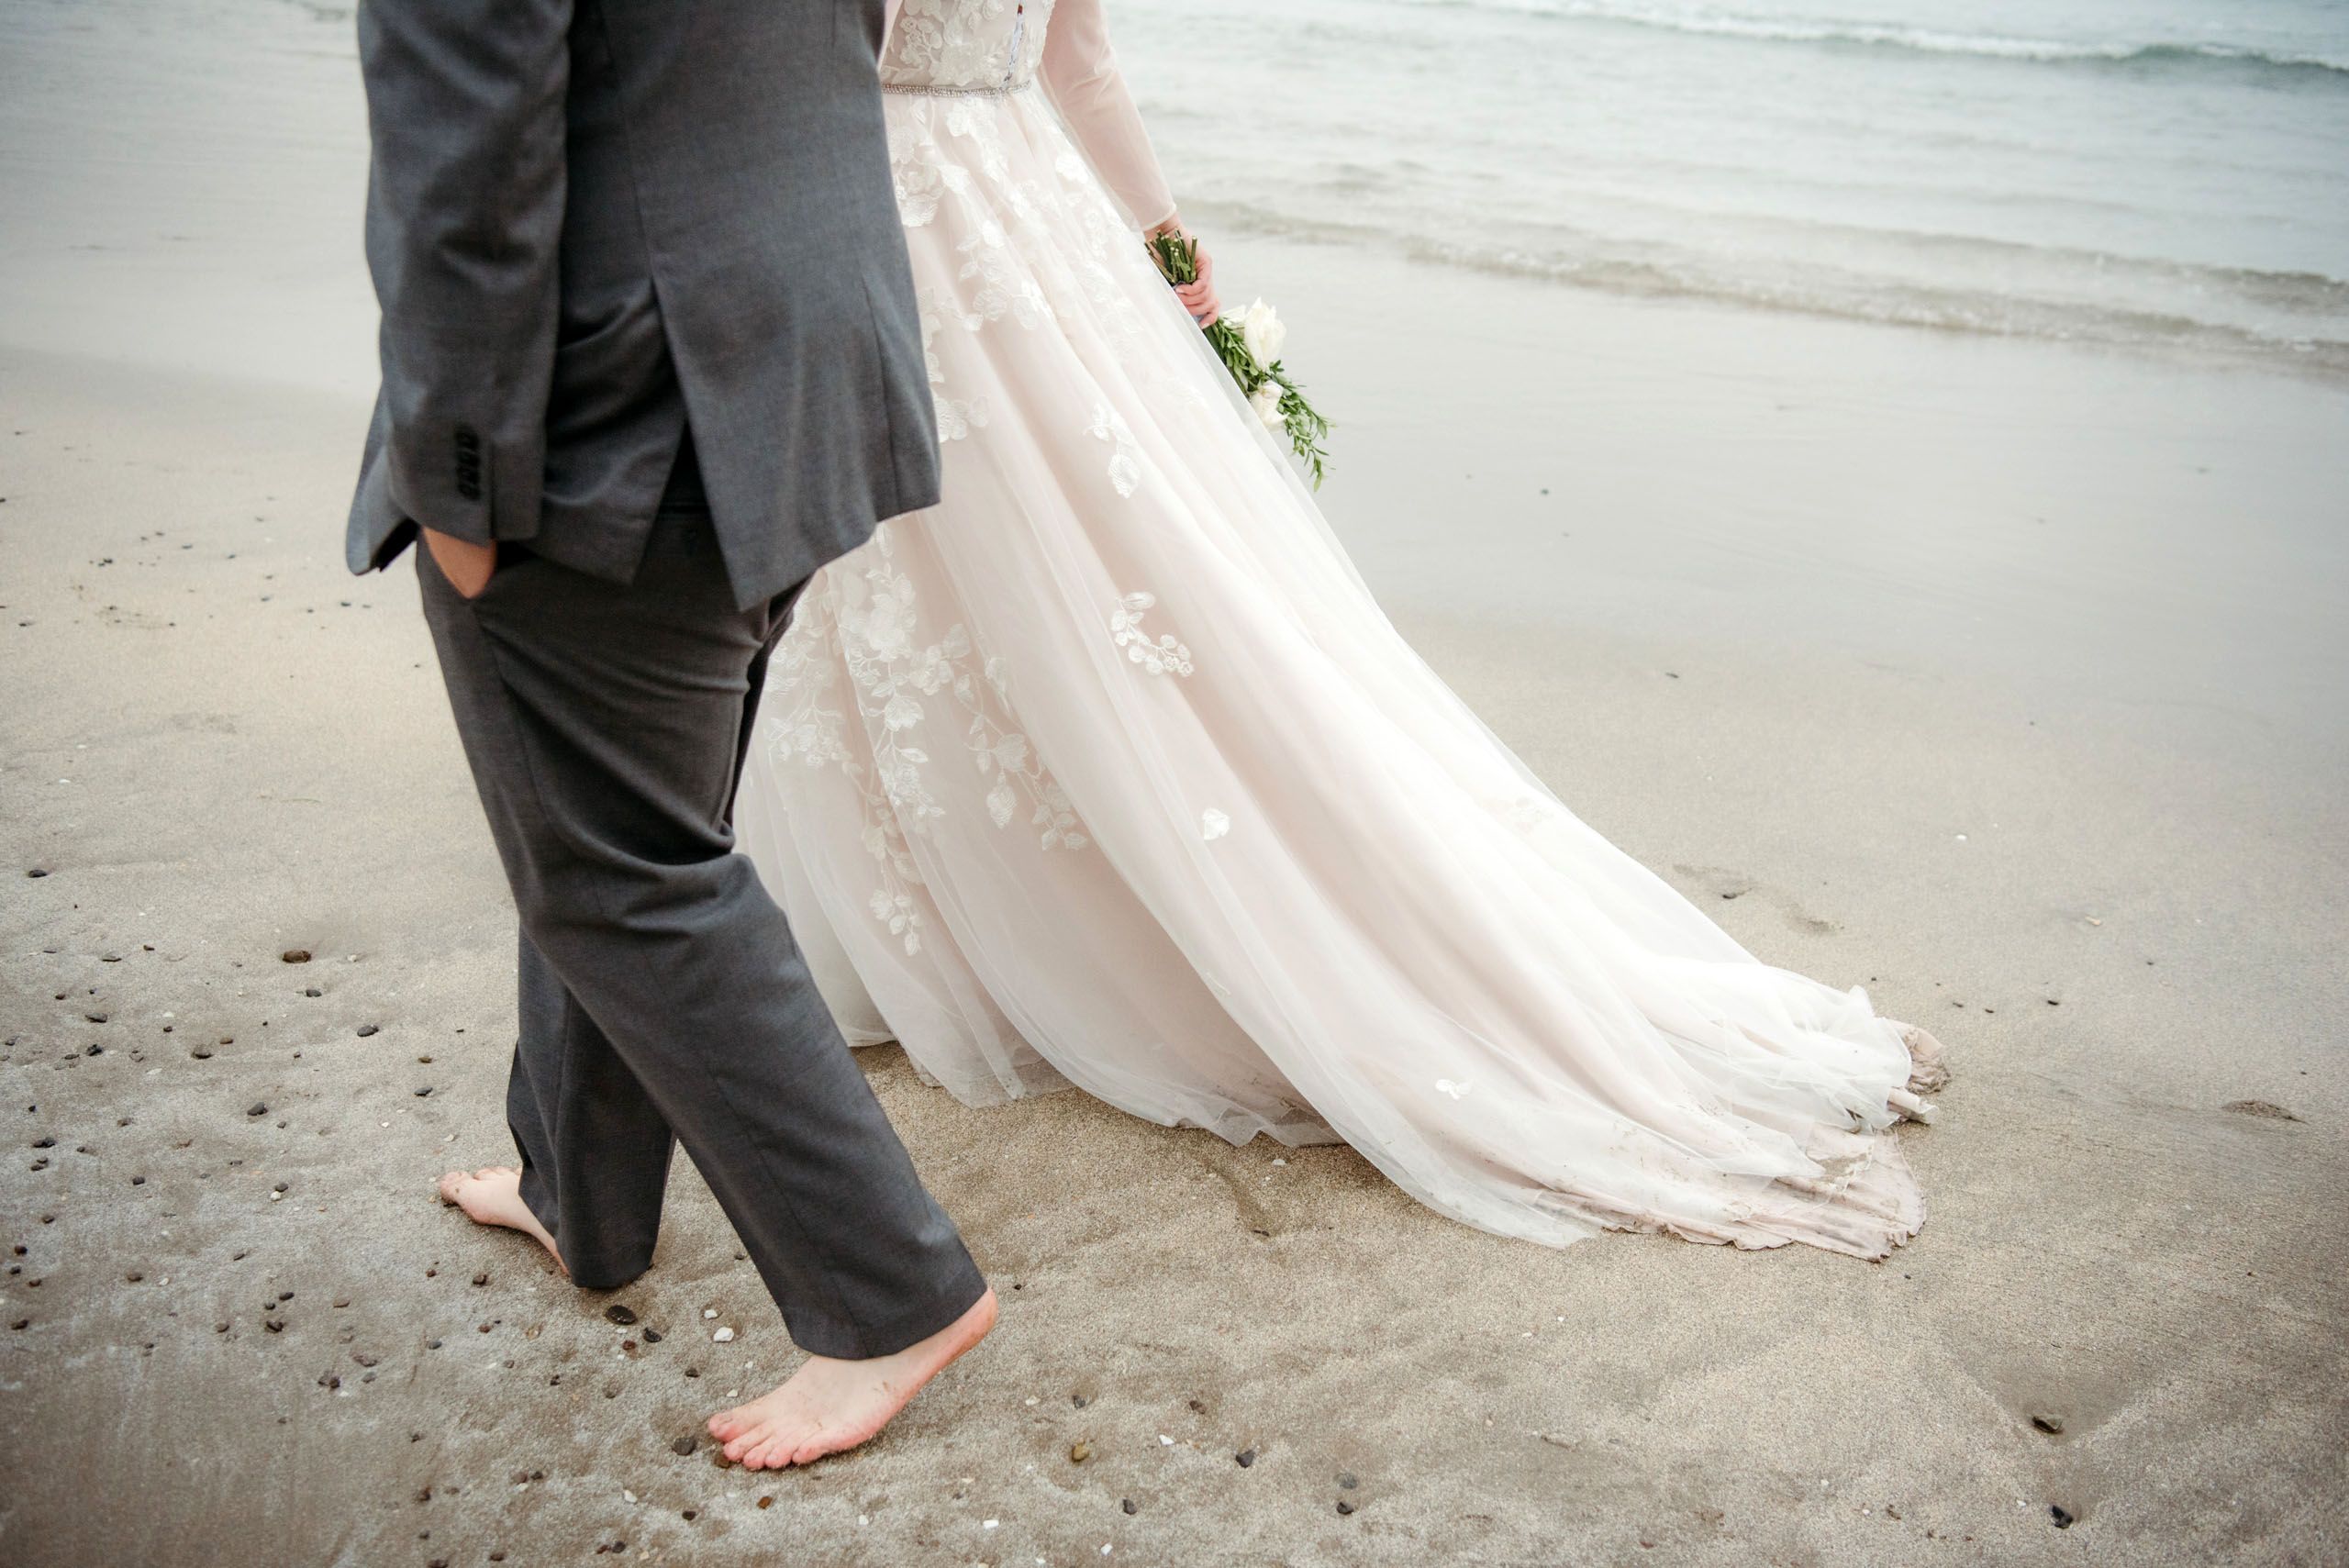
1266 401
1262 331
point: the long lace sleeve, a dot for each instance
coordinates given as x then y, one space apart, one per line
1081 74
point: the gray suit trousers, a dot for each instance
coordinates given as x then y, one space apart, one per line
662 994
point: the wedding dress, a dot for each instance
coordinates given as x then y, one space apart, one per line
1109 769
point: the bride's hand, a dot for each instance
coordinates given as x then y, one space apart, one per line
1199 295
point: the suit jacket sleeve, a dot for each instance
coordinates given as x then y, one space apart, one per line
1081 74
464 222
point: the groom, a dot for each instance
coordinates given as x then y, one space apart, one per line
649 359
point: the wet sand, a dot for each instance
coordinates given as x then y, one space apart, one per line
2004 678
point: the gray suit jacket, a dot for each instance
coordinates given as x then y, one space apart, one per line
589 220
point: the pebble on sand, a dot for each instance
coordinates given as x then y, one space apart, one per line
295 955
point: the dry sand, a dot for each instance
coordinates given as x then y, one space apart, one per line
2004 678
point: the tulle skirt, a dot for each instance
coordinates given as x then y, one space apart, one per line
1109 772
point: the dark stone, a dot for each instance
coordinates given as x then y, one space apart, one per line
2052 1424
256 1108
1131 1506
1345 1507
423 1092
1246 1457
615 1313
295 955
682 1447
652 1336
366 1029
2061 1515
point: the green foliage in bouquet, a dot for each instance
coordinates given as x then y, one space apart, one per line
1249 347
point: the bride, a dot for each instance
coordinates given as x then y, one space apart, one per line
1109 772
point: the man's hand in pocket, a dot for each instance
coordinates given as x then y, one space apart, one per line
467 565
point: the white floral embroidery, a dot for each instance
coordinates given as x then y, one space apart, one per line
1446 1085
1007 755
867 628
1164 656
1125 456
894 907
1214 823
957 416
1006 286
965 43
918 185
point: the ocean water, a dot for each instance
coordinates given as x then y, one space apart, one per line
178 175
2164 173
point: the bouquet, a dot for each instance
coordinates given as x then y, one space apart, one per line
1250 348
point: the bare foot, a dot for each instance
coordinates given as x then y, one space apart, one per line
493 1196
829 1405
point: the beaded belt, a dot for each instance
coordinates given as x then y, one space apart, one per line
1000 90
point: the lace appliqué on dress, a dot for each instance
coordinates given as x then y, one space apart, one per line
873 623
1125 454
1163 656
